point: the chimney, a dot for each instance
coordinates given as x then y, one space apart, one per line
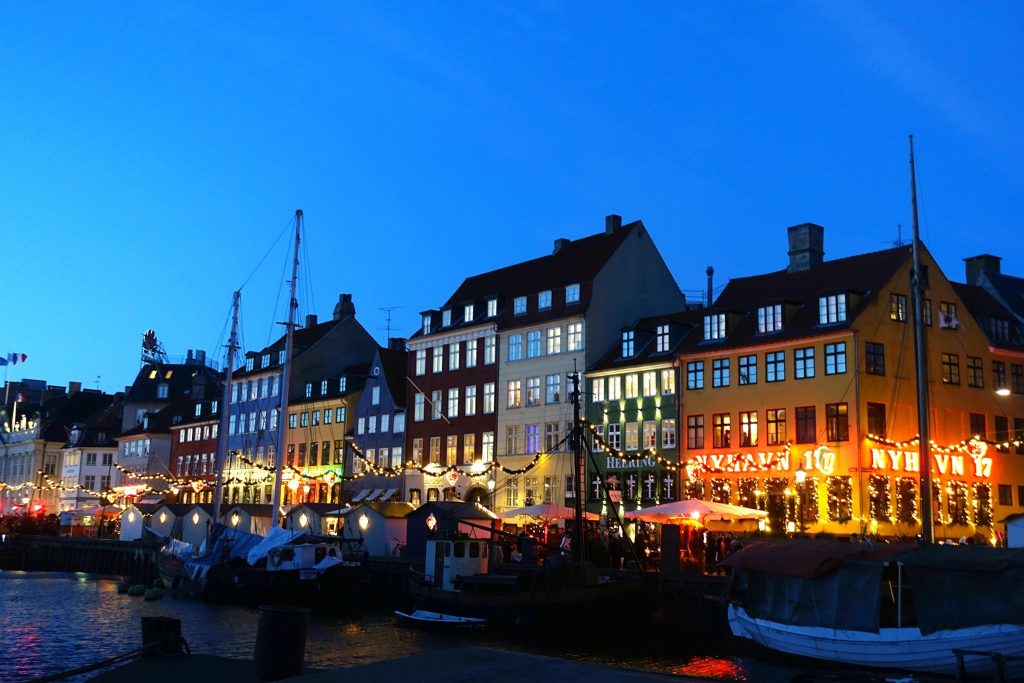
711 288
344 308
806 247
560 244
188 357
74 388
976 265
612 222
200 357
397 343
310 320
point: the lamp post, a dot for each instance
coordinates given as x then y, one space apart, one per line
490 494
801 480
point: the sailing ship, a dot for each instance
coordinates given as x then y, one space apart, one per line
926 608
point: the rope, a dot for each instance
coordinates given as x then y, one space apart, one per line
177 642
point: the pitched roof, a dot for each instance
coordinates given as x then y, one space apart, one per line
863 274
1009 289
60 413
645 340
394 366
106 421
161 421
985 308
395 510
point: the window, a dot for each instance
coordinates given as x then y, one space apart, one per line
280 357
533 344
1000 328
360 425
453 356
650 434
720 372
375 396
553 388
544 300
515 393
615 435
435 408
512 492
721 425
438 356
554 340
1018 433
468 448
467 313
1005 494
668 382
1017 374
399 425
650 383
632 436
926 311
832 309
418 408
748 428
661 339
488 398
614 388
309 390
487 447
490 349
806 429
668 433
446 317
694 431
371 424
512 439
877 419
451 452
769 318
265 361
426 323
162 391
471 353
552 436
627 343
975 372
421 362
533 438
874 358
470 401
999 374
515 347
275 382
519 305
898 307
837 422
339 414
748 370
803 363
714 326
775 366
572 294
597 390
492 308
977 424
632 386
342 384
950 368
575 337
1002 427
947 316
453 402
263 418
695 374
775 421
533 391
835 358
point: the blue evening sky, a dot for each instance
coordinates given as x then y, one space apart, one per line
152 152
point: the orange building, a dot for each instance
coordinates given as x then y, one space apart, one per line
799 397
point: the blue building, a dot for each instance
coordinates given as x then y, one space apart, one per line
380 425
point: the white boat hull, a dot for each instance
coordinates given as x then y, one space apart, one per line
890 648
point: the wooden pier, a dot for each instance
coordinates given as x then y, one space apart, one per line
65 554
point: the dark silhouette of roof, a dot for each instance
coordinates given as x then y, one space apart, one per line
179 378
57 415
161 421
985 308
393 510
1010 290
645 345
105 423
394 365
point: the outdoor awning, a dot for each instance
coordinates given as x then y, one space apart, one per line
359 496
387 495
374 494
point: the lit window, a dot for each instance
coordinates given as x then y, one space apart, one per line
769 318
650 381
488 398
309 390
323 388
662 339
438 359
632 386
627 343
597 390
453 355
575 340
614 388
471 353
553 388
467 313
748 428
554 340
249 363
803 363
418 408
947 316
835 358
162 390
519 306
453 402
515 393
748 370
492 308
720 372
898 307
375 396
775 366
490 349
533 344
831 309
572 294
668 382
533 391
470 401
446 317
426 323
714 326
515 347
421 362
695 375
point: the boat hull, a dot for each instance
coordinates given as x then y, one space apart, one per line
890 648
436 621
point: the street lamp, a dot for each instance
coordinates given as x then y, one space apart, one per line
1003 391
801 479
490 493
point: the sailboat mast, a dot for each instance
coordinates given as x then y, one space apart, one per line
924 445
222 441
282 417
579 470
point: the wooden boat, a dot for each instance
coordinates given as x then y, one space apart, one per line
438 621
891 607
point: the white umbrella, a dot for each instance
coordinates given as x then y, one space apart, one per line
542 511
703 510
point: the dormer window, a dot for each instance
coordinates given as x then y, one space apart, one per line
249 363
342 383
309 390
101 437
426 323
519 306
467 315
213 407
544 300
572 294
280 357
323 388
769 318
446 317
662 339
627 344
492 308
832 309
265 361
199 409
714 326
162 390
1000 329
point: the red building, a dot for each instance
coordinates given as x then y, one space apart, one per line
194 451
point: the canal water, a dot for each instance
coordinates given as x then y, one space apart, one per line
52 622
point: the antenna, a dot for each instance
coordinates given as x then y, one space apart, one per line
97 381
899 236
387 325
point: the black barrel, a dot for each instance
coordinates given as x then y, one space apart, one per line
163 634
281 641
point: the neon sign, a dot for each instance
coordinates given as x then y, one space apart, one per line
945 463
762 461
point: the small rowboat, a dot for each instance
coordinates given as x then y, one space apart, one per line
438 621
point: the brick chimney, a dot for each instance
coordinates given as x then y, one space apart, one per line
806 247
397 343
310 320
612 222
74 388
984 263
560 244
344 308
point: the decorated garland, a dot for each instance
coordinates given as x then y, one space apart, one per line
840 499
983 504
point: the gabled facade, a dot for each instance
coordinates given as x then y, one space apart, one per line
88 458
380 424
193 459
799 398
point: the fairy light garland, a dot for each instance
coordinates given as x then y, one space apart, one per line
840 498
958 447
721 490
651 452
983 504
906 500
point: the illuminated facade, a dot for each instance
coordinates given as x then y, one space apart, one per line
809 372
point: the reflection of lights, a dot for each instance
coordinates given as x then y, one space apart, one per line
195 517
364 522
303 520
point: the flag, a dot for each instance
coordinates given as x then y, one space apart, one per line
19 397
13 359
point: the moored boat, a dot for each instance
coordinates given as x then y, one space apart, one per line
438 621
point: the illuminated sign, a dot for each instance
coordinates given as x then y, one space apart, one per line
763 461
944 463
625 463
431 521
821 459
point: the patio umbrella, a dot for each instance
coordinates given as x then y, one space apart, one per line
704 510
542 511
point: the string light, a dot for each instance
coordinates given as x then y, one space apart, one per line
646 453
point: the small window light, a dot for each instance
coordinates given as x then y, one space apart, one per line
303 520
364 522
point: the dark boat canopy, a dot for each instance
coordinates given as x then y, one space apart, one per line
808 559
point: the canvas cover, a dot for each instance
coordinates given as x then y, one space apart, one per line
224 544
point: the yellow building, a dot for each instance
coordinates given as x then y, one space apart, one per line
315 440
799 397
